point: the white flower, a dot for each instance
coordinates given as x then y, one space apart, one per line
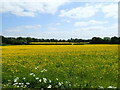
41 71
36 68
56 78
66 81
15 83
15 80
50 81
19 83
34 75
27 83
100 87
44 80
31 73
9 80
44 70
110 87
22 86
24 78
59 84
49 86
40 80
69 84
36 78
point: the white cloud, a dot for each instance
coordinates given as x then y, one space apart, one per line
58 24
23 28
52 28
25 8
65 20
87 11
98 31
88 32
110 10
113 27
54 24
79 12
31 8
87 23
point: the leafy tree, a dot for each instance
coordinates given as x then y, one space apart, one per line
115 40
27 40
96 40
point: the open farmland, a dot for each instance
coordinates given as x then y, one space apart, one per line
60 66
58 43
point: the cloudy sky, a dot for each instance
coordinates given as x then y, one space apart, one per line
60 20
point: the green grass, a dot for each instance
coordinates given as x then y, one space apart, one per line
58 43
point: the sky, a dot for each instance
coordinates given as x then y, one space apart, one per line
59 19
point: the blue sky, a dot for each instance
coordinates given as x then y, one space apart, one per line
60 20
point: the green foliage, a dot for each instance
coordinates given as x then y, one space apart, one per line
105 40
29 40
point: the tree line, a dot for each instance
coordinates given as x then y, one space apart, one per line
27 40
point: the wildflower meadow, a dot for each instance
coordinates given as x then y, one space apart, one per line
60 66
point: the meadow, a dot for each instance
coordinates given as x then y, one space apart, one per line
60 66
58 43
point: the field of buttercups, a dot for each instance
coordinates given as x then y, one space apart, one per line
60 66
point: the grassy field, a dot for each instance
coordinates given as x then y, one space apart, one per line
58 43
60 66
